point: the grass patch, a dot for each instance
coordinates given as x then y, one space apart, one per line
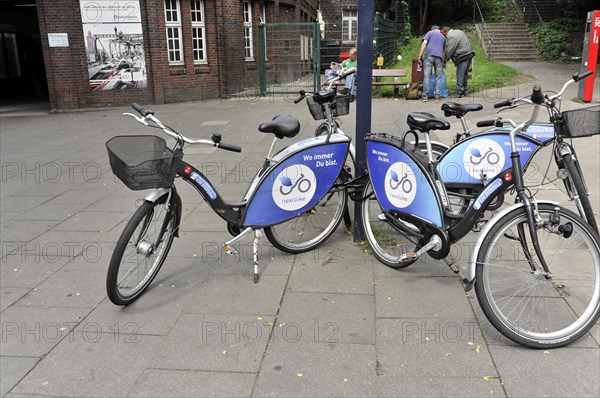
486 74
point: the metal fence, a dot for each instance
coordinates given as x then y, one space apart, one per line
388 38
289 57
293 57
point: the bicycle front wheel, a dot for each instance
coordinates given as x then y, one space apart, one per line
522 301
388 243
310 229
140 251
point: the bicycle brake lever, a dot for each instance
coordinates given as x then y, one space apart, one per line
139 119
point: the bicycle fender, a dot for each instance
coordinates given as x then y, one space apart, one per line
156 194
472 264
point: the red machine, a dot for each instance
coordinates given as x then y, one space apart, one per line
590 54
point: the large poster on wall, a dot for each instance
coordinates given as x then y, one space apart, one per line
114 44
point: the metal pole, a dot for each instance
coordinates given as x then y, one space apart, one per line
316 56
364 91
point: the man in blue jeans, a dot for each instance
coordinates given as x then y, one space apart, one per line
460 51
433 46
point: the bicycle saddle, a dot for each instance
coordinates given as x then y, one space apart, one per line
423 121
282 126
459 110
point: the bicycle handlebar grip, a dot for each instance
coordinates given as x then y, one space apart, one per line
348 72
229 147
137 107
486 123
502 104
537 96
141 110
301 97
578 77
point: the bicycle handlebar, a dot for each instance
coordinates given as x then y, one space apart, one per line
539 97
148 114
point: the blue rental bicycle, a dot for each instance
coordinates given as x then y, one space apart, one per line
297 197
535 266
471 162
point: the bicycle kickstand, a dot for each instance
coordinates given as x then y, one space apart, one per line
257 236
229 249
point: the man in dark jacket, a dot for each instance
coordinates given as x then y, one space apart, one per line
460 51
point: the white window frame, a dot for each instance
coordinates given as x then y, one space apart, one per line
174 32
263 19
349 23
198 26
248 42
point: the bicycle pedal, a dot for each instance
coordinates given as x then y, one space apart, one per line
229 249
409 256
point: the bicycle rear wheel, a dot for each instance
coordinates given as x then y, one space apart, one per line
519 299
388 244
582 201
313 227
140 251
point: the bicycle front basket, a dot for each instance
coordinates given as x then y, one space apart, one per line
583 122
143 161
316 109
342 105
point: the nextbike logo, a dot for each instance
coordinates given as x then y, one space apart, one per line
400 185
483 157
294 187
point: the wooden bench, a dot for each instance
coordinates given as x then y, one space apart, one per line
379 73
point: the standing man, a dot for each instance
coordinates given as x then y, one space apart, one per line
459 49
433 46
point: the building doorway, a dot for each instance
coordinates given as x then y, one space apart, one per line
23 79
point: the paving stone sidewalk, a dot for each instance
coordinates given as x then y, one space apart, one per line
332 322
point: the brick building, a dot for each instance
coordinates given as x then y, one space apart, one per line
87 53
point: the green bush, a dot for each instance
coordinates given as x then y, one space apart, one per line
552 38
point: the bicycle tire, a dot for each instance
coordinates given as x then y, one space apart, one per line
584 206
310 229
523 304
388 244
151 220
349 166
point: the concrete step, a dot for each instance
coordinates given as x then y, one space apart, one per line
510 41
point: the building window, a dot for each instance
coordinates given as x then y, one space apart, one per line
198 31
174 39
349 25
248 31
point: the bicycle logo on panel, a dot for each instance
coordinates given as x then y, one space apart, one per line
400 185
294 187
484 157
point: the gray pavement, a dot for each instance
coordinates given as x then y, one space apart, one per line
332 322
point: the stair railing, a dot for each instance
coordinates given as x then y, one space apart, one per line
484 33
529 7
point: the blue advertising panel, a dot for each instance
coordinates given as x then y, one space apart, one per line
482 155
297 183
400 184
